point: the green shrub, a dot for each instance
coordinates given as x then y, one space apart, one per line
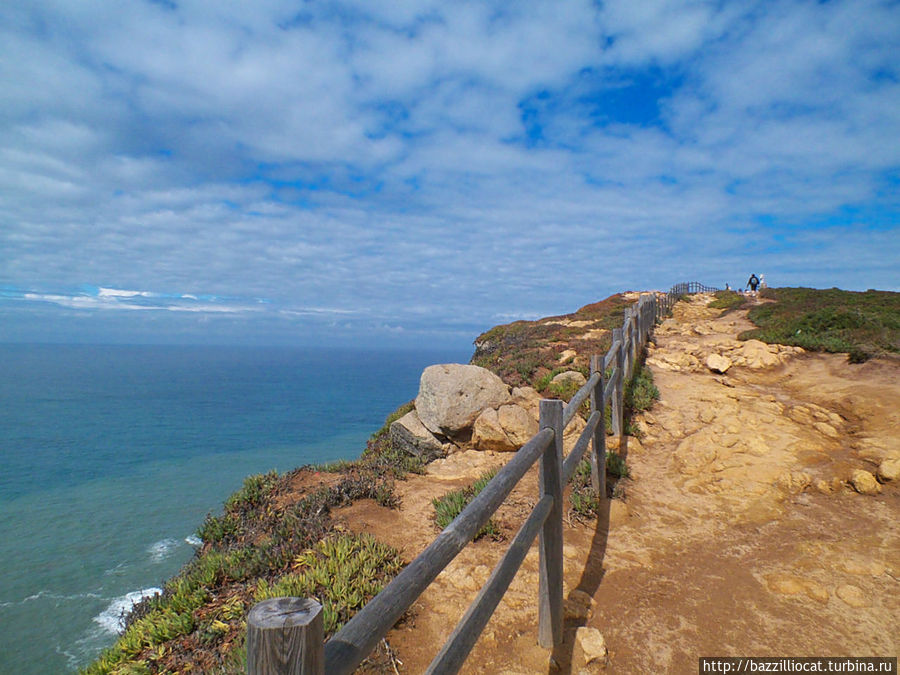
585 504
254 490
641 392
564 390
859 324
343 572
450 505
727 300
615 465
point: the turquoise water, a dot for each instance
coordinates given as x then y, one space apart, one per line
110 457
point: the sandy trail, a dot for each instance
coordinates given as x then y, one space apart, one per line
738 535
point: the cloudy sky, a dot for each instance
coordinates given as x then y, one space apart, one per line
355 172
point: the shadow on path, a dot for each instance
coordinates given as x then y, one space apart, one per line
591 576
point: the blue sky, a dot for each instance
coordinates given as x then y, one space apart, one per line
413 173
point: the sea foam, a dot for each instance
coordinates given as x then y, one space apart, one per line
162 549
193 540
112 618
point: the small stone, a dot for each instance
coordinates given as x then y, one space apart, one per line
718 363
794 481
889 469
578 606
570 376
592 644
826 429
567 355
864 482
852 595
824 487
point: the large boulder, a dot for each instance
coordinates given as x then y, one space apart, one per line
452 395
517 423
487 434
410 435
503 430
527 398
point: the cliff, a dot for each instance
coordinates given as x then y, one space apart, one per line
310 532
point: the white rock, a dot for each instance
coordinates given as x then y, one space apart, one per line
570 376
718 363
451 396
864 482
592 644
889 469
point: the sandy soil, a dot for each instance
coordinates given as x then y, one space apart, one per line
738 535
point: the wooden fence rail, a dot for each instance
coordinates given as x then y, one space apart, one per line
288 637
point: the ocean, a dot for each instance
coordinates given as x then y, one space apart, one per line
111 456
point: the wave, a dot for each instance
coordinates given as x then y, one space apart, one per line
193 540
50 595
162 549
112 619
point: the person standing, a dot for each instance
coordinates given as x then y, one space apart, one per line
753 282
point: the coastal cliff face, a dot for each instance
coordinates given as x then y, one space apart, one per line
279 534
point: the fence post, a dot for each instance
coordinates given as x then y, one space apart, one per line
598 456
286 636
618 334
626 344
632 340
550 588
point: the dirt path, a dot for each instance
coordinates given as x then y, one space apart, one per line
738 535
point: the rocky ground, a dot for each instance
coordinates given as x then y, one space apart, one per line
753 524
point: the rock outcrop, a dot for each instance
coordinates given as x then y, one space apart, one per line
452 396
864 482
503 430
411 436
889 469
718 363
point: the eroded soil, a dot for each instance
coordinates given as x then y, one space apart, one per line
738 535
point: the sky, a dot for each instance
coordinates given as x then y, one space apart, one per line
414 173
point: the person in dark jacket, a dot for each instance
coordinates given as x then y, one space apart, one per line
753 282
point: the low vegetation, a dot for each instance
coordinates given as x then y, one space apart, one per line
447 507
640 392
265 543
728 300
530 353
584 503
861 324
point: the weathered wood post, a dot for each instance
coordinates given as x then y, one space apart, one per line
550 586
626 343
286 636
633 342
619 395
598 404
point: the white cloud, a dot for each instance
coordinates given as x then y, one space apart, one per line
427 161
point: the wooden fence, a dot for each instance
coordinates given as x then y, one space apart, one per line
689 287
284 635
